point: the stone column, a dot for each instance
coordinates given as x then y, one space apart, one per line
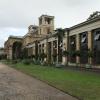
52 51
33 50
10 53
43 20
90 45
77 47
67 48
45 48
57 50
47 52
64 58
38 48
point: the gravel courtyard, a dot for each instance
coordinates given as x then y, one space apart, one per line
15 85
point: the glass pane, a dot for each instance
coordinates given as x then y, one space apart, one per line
83 40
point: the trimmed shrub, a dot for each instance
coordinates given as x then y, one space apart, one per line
44 63
26 61
72 53
14 61
37 62
42 56
78 53
65 53
90 53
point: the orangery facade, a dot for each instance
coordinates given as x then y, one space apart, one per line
78 45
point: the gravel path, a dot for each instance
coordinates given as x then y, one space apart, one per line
15 85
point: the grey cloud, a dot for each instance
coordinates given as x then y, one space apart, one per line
6 32
73 3
19 14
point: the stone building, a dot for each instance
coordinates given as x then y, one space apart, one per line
79 44
2 51
46 24
85 37
13 47
34 34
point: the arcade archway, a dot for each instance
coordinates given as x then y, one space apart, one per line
16 50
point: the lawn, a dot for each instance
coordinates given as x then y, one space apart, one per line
84 85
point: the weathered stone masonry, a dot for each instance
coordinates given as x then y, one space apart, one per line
43 39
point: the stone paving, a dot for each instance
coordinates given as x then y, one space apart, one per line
15 85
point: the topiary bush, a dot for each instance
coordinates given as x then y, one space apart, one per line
78 53
14 61
90 54
26 61
37 62
65 53
44 63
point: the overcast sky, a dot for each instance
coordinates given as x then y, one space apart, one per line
17 15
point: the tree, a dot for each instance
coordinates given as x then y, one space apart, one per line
78 53
60 33
65 53
25 53
42 56
90 53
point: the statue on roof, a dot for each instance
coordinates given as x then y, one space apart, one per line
32 29
94 15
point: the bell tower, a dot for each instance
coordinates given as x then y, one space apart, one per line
46 24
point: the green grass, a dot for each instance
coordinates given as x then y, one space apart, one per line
84 85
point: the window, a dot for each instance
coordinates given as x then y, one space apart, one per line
40 31
61 44
40 22
83 40
55 44
48 20
42 48
84 37
97 36
72 43
48 31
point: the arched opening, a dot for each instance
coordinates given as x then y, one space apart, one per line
96 46
16 50
84 47
72 49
